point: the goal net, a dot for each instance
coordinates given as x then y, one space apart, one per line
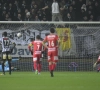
79 46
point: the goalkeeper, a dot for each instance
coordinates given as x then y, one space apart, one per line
96 63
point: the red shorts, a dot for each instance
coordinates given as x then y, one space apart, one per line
53 56
37 57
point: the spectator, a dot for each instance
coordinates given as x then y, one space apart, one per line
84 7
33 14
73 4
83 13
72 13
91 18
10 10
44 18
42 8
7 17
89 12
97 10
68 17
32 4
28 17
85 18
55 11
26 11
36 8
19 17
3 15
79 4
16 7
36 18
47 10
40 15
23 7
63 8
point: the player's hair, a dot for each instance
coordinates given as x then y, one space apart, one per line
38 37
4 34
52 30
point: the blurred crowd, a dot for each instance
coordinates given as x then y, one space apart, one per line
41 10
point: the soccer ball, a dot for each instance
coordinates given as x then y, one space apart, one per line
19 34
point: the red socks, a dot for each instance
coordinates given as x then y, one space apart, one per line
35 65
52 67
39 67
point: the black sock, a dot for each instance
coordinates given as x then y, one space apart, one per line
51 73
3 68
9 67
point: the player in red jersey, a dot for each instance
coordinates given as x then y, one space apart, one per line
53 43
96 63
36 50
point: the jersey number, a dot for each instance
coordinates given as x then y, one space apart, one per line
51 43
38 47
6 43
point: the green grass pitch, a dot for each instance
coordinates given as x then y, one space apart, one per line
60 81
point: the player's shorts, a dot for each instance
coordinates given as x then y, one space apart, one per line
53 56
37 58
6 55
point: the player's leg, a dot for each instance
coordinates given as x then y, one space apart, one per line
9 58
50 60
50 68
39 65
35 64
3 61
55 59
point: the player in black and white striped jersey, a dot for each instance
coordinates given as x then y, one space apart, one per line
6 51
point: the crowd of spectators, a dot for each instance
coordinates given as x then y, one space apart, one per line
41 10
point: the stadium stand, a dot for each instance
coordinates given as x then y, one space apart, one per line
40 10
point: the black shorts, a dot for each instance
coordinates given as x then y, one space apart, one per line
6 55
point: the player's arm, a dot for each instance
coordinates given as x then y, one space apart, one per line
58 41
12 46
29 47
43 43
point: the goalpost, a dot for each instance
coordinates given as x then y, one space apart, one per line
79 48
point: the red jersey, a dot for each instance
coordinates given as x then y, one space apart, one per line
52 41
37 45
